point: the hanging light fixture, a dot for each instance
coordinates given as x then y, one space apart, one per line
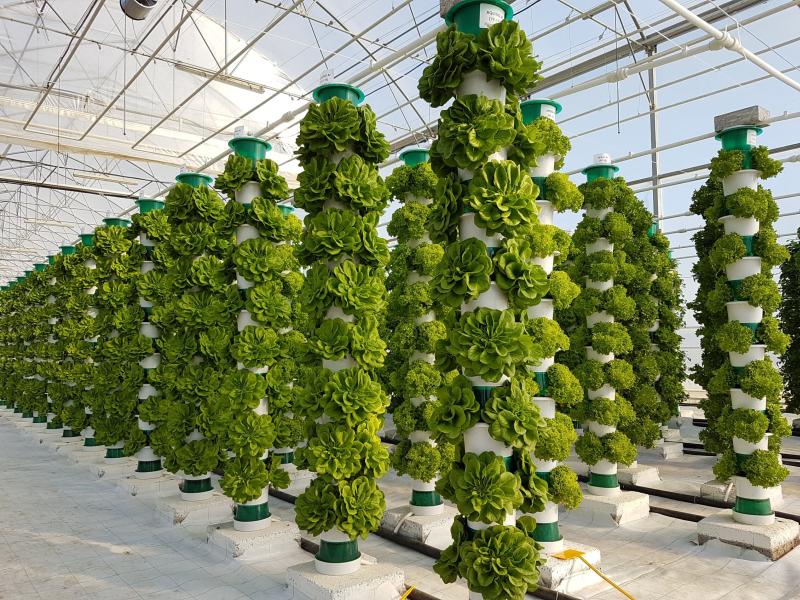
137 9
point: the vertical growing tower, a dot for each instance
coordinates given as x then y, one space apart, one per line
415 327
737 296
118 376
343 402
265 344
485 211
195 333
542 147
598 343
152 228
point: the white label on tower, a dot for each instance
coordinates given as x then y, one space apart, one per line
326 77
239 131
490 14
751 137
549 111
602 159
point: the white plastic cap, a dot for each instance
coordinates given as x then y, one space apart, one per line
602 159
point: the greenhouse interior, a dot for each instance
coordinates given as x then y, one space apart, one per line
493 365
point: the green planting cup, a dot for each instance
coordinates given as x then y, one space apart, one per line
741 138
116 222
534 108
470 16
338 90
67 250
250 147
593 172
87 239
414 156
194 179
149 204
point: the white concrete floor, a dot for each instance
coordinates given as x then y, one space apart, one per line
67 535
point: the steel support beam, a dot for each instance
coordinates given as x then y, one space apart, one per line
654 162
65 59
65 187
636 46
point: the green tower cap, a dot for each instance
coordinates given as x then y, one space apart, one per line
286 210
601 167
149 204
40 267
194 179
415 156
21 278
27 272
67 250
742 137
326 91
87 239
470 16
51 258
250 147
116 222
537 107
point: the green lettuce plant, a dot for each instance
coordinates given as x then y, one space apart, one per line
470 130
564 194
496 562
503 197
790 322
464 272
488 343
483 489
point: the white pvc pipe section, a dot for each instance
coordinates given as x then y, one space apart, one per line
725 40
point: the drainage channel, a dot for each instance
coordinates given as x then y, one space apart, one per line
429 551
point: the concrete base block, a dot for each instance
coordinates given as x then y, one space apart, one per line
277 538
370 582
773 541
643 475
158 487
669 450
621 508
717 490
175 511
416 527
672 435
570 576
299 482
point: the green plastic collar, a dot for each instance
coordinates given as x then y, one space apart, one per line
414 156
194 179
469 16
338 90
532 109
